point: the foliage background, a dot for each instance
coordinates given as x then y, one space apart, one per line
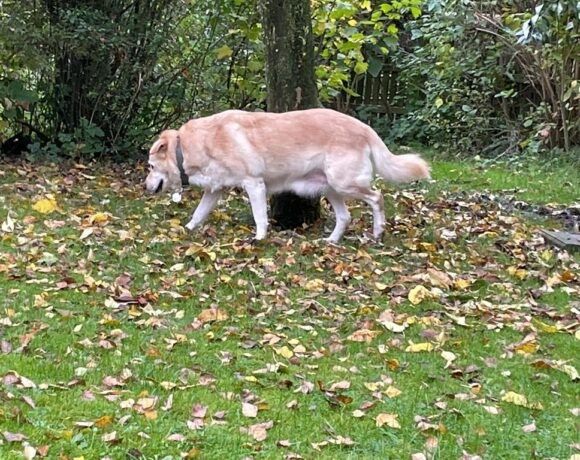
88 78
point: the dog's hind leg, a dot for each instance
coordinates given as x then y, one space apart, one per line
375 200
341 214
256 190
205 206
351 178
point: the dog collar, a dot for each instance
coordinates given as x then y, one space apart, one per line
179 160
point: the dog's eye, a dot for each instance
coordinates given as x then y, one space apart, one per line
151 167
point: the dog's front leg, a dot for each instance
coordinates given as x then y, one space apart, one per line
205 206
256 190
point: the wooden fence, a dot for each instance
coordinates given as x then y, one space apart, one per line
380 94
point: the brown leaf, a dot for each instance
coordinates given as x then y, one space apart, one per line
363 335
258 431
104 421
387 419
212 314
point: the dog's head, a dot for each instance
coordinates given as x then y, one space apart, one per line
163 171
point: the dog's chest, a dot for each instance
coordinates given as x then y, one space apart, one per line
211 178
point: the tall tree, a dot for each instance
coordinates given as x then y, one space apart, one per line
290 85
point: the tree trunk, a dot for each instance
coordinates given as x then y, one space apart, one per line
290 86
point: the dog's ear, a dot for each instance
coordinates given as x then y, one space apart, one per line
159 148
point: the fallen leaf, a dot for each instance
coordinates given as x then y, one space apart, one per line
14 437
104 421
392 392
419 347
45 205
258 431
212 314
176 437
249 410
363 335
530 428
284 351
520 400
418 294
387 419
29 452
110 437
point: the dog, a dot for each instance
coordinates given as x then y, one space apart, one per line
309 152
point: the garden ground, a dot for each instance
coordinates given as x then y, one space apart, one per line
124 336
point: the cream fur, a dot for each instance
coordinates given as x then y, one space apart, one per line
310 152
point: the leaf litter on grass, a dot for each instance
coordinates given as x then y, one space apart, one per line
278 333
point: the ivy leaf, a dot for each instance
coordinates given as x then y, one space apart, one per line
361 67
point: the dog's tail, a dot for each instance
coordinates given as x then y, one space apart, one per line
397 168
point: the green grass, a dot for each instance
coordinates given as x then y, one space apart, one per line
528 179
60 328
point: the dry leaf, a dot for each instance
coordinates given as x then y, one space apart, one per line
387 419
258 431
520 400
363 335
45 205
530 428
419 347
418 294
284 351
249 410
212 314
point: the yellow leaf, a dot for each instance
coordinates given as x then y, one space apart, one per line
284 351
527 348
429 247
99 218
548 328
150 414
381 286
352 22
316 285
419 347
393 364
224 52
461 284
520 400
387 419
418 294
517 272
104 421
45 205
372 386
212 314
392 392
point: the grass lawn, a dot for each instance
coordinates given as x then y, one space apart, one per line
124 336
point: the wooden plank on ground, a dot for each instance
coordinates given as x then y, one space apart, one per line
566 240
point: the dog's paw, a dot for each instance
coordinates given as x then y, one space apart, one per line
190 226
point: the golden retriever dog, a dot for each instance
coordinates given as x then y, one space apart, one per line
309 152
